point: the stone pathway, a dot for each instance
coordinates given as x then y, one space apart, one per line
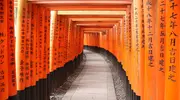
95 82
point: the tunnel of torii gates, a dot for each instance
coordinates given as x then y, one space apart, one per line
42 44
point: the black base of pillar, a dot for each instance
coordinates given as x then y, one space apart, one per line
27 94
38 90
33 93
13 97
44 87
21 95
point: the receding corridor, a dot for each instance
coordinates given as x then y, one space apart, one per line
89 50
94 82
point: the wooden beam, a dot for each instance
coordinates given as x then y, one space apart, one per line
95 19
93 16
95 28
91 31
96 25
87 7
82 2
92 12
96 22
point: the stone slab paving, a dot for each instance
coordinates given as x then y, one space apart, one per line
95 82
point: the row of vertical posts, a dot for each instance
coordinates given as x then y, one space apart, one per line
146 42
35 50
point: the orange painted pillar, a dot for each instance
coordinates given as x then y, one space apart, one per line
81 38
124 45
41 41
55 47
110 40
134 53
142 47
97 42
116 39
150 68
172 50
113 40
125 51
160 49
56 41
69 41
81 46
121 43
4 50
37 44
89 40
129 33
27 46
61 42
33 46
48 40
94 37
128 45
85 39
20 45
12 89
78 42
52 33
100 40
118 50
87 35
66 39
105 40
74 41
138 47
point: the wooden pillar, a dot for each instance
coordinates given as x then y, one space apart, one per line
48 39
172 50
138 46
11 48
4 50
160 48
27 46
150 68
52 28
20 44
